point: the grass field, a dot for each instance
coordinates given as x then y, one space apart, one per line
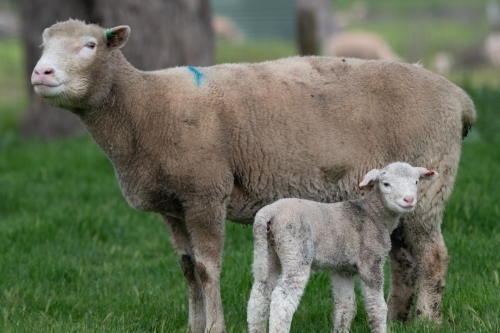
74 257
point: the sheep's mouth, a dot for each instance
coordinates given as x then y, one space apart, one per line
48 89
52 85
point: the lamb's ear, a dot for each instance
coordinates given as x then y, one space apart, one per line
427 174
117 36
369 180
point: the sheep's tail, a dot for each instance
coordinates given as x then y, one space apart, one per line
261 243
468 113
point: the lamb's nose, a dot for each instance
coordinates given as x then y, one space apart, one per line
44 71
408 200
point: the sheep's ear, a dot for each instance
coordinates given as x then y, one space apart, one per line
427 174
117 36
369 180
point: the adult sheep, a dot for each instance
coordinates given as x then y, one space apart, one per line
197 145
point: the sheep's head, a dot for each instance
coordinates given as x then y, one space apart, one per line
74 71
397 184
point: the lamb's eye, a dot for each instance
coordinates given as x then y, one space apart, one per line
90 45
416 182
386 184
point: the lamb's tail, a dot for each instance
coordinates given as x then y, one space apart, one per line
261 243
468 114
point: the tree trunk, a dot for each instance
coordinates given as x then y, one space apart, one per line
165 33
308 43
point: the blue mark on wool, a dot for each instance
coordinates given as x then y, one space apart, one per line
198 76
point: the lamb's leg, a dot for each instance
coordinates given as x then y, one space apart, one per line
345 301
403 277
432 263
286 297
205 224
260 296
182 244
372 282
294 246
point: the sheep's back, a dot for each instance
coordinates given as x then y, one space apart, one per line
311 127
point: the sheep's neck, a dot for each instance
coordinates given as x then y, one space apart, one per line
375 206
116 123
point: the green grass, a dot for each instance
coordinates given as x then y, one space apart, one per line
253 51
13 84
75 258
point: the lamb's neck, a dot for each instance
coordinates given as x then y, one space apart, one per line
375 206
114 124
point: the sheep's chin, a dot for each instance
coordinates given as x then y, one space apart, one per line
49 91
399 208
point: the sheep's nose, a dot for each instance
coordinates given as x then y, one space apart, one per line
408 200
44 71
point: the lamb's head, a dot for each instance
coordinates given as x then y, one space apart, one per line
397 184
75 71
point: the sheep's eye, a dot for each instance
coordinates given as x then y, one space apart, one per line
386 184
90 45
416 182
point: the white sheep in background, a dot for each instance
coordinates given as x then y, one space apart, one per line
492 48
442 63
225 28
293 236
199 145
362 45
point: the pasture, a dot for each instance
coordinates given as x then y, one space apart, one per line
74 257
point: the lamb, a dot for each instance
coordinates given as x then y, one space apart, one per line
197 145
293 236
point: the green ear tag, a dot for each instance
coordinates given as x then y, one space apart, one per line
109 34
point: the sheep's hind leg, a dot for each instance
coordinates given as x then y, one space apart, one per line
205 224
403 277
433 261
285 299
345 301
182 244
260 296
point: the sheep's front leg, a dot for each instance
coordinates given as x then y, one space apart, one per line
182 245
205 224
372 282
260 296
345 301
403 277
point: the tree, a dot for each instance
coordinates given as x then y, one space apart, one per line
165 33
315 24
